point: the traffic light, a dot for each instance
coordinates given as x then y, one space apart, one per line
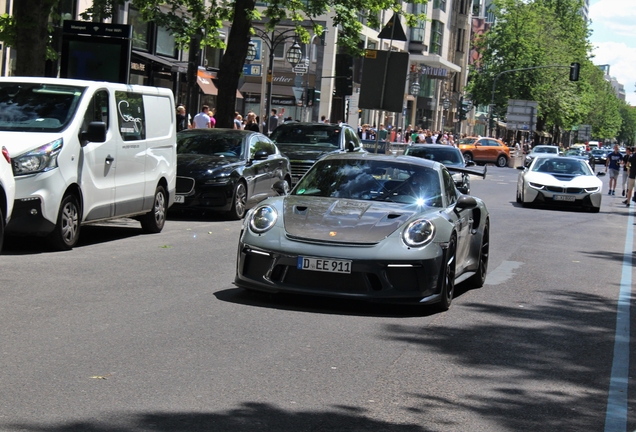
574 71
344 75
462 111
311 95
316 97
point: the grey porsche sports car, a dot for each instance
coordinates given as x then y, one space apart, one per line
368 226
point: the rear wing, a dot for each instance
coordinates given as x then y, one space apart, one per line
471 170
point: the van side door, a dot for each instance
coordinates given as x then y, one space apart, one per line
97 163
131 153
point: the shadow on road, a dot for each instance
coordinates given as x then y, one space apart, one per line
250 416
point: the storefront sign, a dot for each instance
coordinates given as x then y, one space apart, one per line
434 72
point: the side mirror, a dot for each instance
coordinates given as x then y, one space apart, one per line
261 155
96 132
281 187
465 202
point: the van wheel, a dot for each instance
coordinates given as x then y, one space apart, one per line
67 228
153 221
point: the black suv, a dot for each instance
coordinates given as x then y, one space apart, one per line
305 143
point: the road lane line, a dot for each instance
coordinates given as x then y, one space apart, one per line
616 413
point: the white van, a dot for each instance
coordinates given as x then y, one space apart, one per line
593 145
85 151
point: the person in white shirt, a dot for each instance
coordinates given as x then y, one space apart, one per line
202 120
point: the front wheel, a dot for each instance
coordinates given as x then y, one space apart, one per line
239 201
153 221
478 279
66 232
468 157
447 290
502 161
1 229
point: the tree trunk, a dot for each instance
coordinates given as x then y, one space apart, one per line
231 66
32 35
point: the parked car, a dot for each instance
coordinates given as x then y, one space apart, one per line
368 226
540 149
559 180
448 156
485 150
305 143
579 153
7 191
87 151
227 170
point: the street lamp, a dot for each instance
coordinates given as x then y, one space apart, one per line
251 52
293 56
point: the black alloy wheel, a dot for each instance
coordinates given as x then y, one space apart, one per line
447 290
239 201
478 279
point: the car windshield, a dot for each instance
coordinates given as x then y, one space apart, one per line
29 107
561 166
573 153
322 135
545 150
372 180
446 156
466 140
210 144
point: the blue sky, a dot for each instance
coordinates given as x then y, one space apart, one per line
614 40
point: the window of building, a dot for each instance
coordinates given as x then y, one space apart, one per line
165 42
437 37
141 30
418 32
439 4
461 39
463 7
476 7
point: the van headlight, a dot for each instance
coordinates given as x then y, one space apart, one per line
41 159
418 233
262 219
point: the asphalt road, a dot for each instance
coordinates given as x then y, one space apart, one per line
131 332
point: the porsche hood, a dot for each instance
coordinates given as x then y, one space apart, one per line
343 220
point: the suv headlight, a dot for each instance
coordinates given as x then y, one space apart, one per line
41 159
262 219
418 233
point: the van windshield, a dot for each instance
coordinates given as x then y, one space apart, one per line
32 107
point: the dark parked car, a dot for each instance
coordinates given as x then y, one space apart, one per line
448 156
227 170
305 143
600 156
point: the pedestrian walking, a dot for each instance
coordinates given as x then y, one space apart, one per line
273 121
625 170
631 177
613 164
182 119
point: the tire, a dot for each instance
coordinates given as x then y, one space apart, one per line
67 229
478 279
595 209
468 157
518 197
153 221
239 201
502 161
447 282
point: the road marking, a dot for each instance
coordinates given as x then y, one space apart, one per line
503 272
616 413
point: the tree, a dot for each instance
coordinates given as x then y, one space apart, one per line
193 21
627 133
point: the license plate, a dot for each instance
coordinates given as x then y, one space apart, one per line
180 199
564 198
324 265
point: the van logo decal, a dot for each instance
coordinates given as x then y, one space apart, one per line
127 118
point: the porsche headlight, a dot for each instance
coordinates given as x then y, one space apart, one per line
41 159
418 233
263 219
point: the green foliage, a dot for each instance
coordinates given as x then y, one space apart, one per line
627 133
545 33
7 29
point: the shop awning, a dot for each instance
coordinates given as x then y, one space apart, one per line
278 90
174 65
208 87
434 61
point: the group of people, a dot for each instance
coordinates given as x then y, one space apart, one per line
205 119
410 136
617 163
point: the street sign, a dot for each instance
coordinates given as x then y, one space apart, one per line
302 67
520 113
585 132
252 69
